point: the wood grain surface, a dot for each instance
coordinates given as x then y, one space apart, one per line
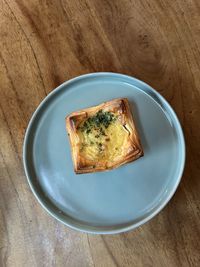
42 44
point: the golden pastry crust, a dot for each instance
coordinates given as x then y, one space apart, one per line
103 137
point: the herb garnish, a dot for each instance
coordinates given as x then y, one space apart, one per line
102 119
101 148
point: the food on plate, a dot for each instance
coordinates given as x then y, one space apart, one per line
103 137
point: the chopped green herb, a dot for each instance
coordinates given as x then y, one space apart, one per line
98 121
102 132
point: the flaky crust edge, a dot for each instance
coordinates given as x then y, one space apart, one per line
120 104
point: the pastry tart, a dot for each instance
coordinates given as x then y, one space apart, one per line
103 137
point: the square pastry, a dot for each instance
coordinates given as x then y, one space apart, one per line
103 137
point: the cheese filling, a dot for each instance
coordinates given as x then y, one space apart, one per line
102 137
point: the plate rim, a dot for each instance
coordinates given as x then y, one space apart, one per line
153 94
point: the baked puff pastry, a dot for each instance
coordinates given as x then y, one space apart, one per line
103 137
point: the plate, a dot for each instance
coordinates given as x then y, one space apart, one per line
106 202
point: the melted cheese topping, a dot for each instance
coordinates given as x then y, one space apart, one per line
106 147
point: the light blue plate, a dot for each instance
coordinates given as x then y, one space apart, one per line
113 201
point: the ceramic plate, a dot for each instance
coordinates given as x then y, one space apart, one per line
113 201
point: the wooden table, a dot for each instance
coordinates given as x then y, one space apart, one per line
44 43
